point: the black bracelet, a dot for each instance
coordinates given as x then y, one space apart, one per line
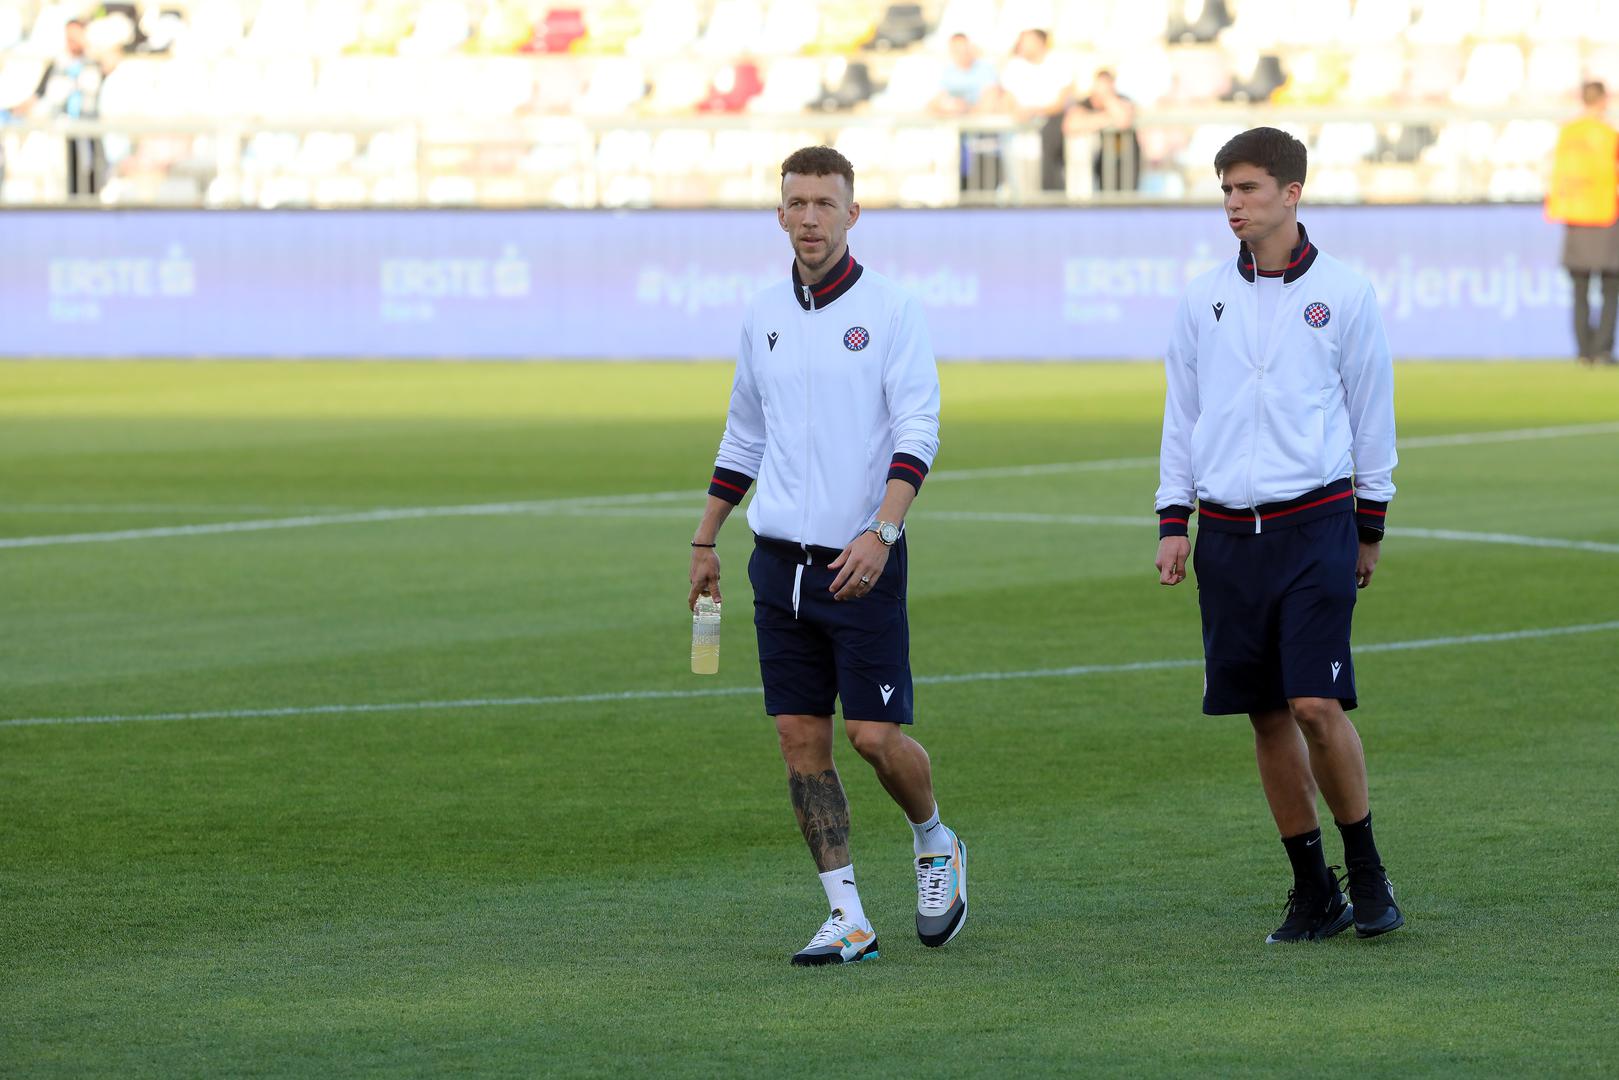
696 544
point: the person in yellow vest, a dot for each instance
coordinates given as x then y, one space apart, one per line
1584 196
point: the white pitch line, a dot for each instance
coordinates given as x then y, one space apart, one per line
1480 438
1018 518
165 508
742 691
543 506
1506 538
402 513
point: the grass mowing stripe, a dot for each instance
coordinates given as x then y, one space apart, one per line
407 513
1020 518
739 691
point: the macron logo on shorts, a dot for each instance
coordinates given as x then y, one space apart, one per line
888 692
1336 667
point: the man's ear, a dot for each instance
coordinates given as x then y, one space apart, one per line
854 214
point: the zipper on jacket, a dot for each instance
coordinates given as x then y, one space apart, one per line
809 422
1253 449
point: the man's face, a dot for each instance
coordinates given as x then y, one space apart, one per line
74 35
1030 47
816 212
961 52
1255 203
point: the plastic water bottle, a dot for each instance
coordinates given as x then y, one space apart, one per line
705 636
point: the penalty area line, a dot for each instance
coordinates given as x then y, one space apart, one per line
1076 671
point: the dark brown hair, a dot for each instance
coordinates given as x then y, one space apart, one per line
1593 92
819 161
1273 150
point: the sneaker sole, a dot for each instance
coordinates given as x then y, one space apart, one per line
830 959
1391 927
939 943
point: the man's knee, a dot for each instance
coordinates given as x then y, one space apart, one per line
805 739
872 739
1272 724
1317 717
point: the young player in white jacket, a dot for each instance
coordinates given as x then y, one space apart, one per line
1279 429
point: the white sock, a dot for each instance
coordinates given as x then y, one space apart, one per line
842 894
931 836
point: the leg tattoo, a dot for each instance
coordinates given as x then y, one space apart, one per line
823 815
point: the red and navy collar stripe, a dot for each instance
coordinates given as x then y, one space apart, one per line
837 281
1298 261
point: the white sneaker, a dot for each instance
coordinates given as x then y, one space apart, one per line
839 941
941 893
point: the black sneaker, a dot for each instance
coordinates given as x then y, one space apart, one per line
1373 894
1312 916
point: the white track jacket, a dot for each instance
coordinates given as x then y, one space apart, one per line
1260 432
836 392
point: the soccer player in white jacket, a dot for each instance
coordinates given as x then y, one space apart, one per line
1279 428
835 413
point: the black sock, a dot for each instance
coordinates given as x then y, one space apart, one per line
1359 848
1309 864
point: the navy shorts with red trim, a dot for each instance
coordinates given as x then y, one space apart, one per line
814 650
1277 607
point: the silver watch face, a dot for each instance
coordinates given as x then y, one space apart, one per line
887 532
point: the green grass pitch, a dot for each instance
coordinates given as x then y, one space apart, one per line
595 884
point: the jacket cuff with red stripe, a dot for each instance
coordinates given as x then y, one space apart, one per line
1369 519
909 468
730 485
1172 521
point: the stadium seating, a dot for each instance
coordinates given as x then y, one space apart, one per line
368 64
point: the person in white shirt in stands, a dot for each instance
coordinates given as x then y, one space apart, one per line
835 413
1279 425
1037 88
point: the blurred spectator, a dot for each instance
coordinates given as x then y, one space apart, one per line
1584 195
969 85
72 88
1037 86
1111 118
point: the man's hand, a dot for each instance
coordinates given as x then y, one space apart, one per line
858 567
1366 563
1171 563
705 575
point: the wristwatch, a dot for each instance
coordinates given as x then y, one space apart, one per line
886 531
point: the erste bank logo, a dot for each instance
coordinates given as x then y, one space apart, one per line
412 287
79 285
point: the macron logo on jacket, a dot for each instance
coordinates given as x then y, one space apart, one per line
836 392
1245 429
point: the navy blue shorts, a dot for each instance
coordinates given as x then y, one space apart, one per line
814 649
1276 611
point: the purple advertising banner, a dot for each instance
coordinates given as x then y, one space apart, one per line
1046 284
